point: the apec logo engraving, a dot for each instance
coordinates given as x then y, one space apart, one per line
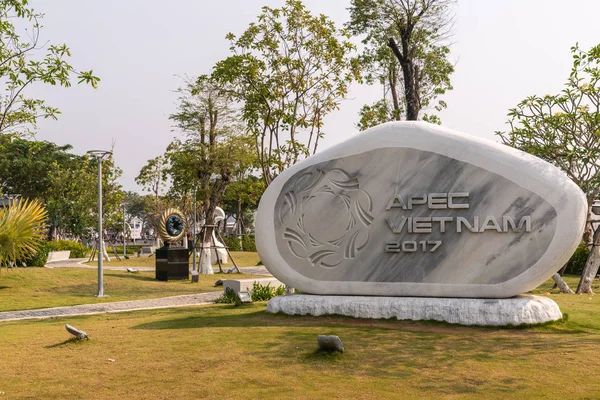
326 216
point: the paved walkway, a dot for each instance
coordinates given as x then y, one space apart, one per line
78 263
117 306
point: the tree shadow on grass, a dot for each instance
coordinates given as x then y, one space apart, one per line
135 275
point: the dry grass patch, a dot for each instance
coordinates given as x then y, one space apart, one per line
220 351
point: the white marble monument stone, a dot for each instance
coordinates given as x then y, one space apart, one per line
410 209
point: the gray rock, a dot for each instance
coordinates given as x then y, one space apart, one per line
330 343
78 333
244 297
413 209
488 312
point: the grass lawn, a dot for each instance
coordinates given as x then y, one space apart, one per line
28 288
223 352
242 259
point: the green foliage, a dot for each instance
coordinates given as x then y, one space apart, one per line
152 176
373 115
405 52
232 242
214 150
248 243
135 206
264 293
22 229
78 250
241 199
40 257
563 128
229 296
20 29
577 261
65 183
289 70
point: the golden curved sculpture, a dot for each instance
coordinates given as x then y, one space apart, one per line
171 225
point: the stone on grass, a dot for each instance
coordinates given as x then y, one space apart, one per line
488 312
414 209
330 343
244 297
78 333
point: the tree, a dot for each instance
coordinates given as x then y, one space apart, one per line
563 129
21 230
212 151
289 70
135 207
418 67
65 183
25 165
241 198
19 68
152 176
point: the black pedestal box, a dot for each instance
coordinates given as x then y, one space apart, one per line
172 263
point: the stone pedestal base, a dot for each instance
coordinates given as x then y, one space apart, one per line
490 312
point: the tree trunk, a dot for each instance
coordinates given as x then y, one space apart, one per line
562 285
393 82
239 223
591 266
561 272
410 94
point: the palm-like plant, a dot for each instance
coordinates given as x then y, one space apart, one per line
22 229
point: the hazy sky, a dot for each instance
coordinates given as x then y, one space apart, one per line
504 51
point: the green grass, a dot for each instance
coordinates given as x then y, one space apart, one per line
220 351
223 352
29 288
242 259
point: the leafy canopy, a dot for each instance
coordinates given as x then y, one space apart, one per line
288 70
564 129
21 65
405 51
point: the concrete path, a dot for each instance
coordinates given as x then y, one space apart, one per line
117 306
78 263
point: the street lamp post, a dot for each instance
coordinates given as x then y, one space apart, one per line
124 233
99 155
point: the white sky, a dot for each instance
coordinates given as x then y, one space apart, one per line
504 51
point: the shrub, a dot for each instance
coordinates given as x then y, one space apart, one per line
264 293
248 243
229 296
577 261
22 231
40 257
77 249
232 242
